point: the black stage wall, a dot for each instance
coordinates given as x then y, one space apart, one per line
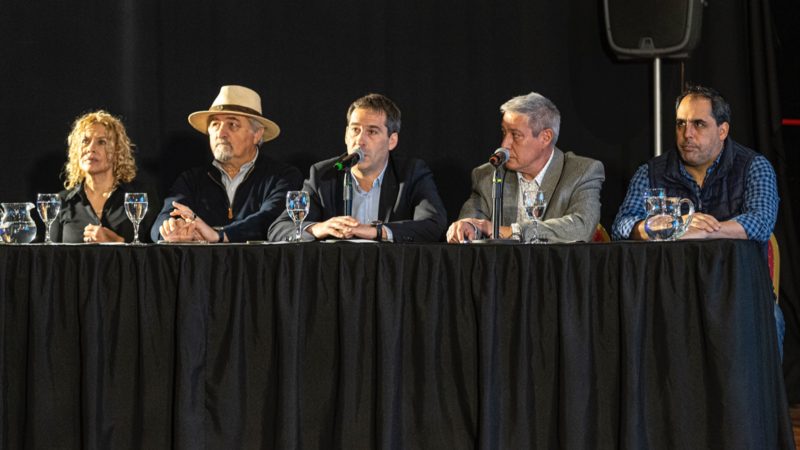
448 65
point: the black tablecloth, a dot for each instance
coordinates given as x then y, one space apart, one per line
343 345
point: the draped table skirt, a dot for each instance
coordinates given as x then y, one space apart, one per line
344 345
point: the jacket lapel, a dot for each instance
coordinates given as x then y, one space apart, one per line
510 197
552 177
389 190
338 193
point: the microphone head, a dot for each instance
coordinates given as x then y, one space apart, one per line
499 157
348 160
358 155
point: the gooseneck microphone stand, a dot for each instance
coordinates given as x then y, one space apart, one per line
497 198
345 164
348 193
498 159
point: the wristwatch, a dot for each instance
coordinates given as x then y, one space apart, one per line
378 230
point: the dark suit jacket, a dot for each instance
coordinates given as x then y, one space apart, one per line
409 204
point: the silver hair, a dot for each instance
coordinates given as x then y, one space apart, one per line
255 125
541 112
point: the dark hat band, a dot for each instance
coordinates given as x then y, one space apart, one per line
235 108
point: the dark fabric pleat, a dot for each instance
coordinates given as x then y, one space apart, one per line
316 346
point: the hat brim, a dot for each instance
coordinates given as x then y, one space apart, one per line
199 121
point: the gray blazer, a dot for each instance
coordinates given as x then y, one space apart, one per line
572 184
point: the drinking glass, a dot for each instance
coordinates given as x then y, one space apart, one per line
48 206
653 201
535 203
297 208
136 208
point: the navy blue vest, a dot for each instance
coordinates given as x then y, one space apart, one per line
722 194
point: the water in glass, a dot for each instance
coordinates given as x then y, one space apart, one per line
535 203
653 201
48 206
17 225
297 207
136 208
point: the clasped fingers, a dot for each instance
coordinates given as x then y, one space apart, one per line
174 229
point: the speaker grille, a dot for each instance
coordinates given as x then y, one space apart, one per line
649 28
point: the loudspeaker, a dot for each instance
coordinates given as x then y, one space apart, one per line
653 28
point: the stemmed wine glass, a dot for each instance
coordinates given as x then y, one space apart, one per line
136 208
48 206
297 208
535 203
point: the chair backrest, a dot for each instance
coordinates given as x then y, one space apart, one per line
774 261
600 234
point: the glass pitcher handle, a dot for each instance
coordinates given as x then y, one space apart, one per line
685 225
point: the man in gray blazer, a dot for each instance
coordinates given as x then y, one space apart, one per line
571 183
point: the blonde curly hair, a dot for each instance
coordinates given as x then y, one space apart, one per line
123 166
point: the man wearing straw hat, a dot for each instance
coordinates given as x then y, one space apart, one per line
237 196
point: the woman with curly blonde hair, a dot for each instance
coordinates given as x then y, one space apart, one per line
100 169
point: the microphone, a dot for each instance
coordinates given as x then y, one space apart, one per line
499 157
347 161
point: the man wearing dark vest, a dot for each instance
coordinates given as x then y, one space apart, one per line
733 188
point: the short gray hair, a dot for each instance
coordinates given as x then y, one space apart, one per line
541 112
255 125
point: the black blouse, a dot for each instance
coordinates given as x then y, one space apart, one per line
76 212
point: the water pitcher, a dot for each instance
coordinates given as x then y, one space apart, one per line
668 222
17 225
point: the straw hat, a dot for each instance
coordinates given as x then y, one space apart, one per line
237 100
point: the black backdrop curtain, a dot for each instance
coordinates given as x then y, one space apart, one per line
767 105
449 65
